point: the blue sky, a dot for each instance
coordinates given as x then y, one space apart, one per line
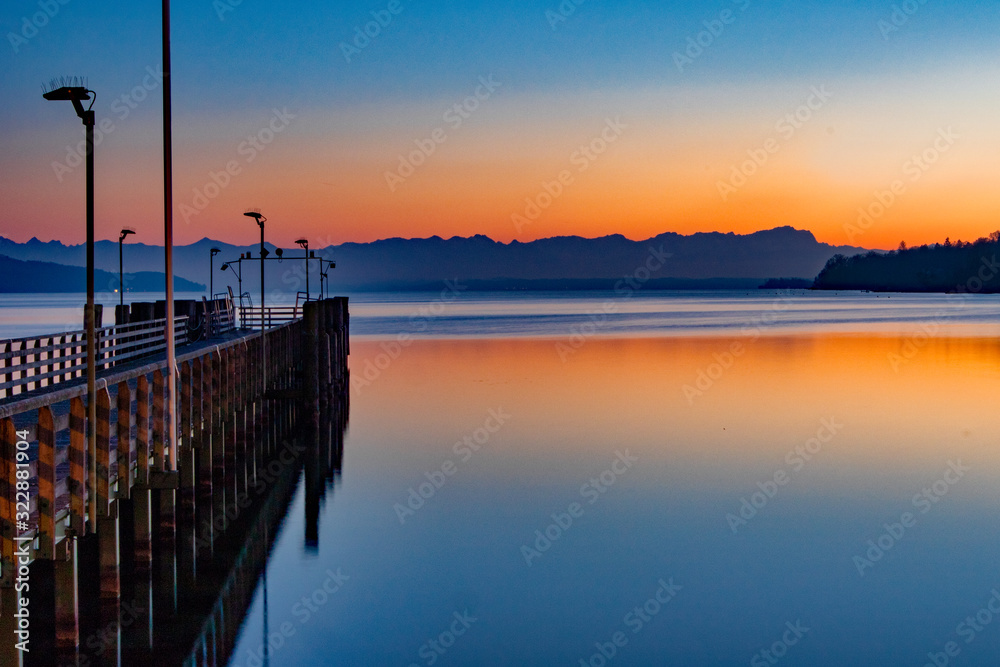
235 63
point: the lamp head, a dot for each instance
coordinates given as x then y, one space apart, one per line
215 251
256 215
67 88
223 267
125 232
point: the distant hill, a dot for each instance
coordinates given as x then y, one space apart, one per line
962 267
47 277
728 260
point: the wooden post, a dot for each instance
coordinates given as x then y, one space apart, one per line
310 363
158 420
185 495
77 467
46 484
206 481
8 482
142 430
142 516
103 452
124 449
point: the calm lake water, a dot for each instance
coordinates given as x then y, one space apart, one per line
672 478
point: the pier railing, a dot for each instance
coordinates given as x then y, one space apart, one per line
37 362
137 521
250 316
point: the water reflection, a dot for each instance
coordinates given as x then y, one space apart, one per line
214 605
502 505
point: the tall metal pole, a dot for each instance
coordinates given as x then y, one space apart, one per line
308 294
261 223
121 277
211 275
90 316
168 246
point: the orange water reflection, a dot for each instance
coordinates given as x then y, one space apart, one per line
903 416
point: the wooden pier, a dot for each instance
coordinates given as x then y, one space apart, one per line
144 555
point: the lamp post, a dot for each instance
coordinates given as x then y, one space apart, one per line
73 90
211 275
256 215
121 276
239 278
239 274
305 244
323 275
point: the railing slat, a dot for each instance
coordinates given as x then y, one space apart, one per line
33 363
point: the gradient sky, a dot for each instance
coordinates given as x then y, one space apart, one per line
892 96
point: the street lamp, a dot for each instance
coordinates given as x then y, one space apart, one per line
305 244
121 276
73 89
211 264
323 275
256 215
239 274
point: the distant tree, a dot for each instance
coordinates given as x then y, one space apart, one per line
902 246
947 242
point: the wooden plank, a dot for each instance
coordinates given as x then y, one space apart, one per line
46 484
77 465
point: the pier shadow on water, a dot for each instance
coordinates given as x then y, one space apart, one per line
168 617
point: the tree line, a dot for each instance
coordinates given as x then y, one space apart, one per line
941 267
